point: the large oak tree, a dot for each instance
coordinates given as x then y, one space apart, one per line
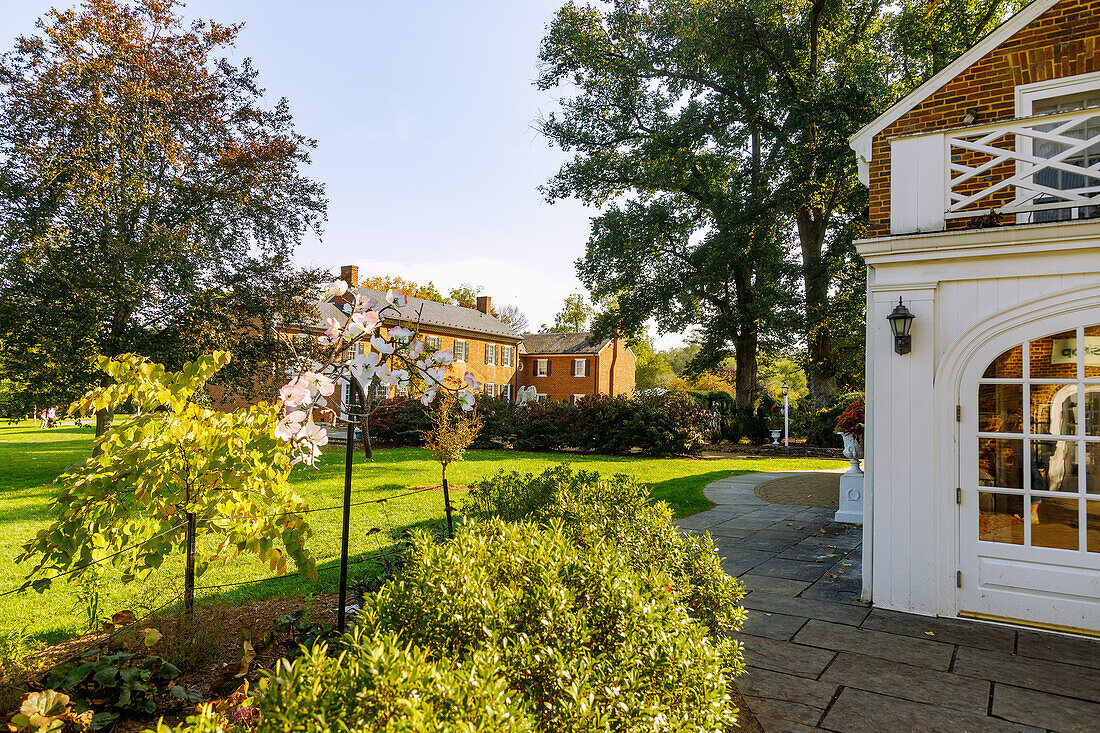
150 199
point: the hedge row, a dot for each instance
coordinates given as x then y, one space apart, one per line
587 611
667 424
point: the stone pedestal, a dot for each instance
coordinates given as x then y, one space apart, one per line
851 499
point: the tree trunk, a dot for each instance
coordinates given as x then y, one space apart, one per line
820 364
744 356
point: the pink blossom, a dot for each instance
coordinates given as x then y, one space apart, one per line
289 426
401 334
319 383
381 345
471 380
427 397
363 366
416 348
339 287
466 399
396 297
294 393
445 357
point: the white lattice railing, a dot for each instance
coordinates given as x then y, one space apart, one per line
1025 166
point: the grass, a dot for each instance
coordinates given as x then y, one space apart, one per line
30 459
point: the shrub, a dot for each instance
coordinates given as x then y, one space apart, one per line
593 508
377 682
818 424
851 420
584 642
399 422
543 426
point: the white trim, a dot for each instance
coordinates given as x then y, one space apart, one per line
862 141
539 371
1065 86
578 397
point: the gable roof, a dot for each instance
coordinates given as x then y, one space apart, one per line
562 343
431 314
861 141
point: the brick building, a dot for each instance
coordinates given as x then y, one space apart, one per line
498 356
982 485
564 367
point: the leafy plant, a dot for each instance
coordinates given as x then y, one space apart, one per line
851 420
47 711
127 506
114 683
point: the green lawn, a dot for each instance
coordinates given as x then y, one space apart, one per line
31 458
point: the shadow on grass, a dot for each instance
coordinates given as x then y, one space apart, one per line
685 494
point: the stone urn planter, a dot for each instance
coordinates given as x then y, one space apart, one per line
853 451
775 436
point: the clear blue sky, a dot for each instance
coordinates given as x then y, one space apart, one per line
424 114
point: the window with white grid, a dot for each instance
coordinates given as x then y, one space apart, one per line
491 354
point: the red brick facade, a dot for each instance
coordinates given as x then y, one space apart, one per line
1064 41
610 371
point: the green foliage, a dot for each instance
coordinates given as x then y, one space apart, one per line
593 508
818 424
574 315
127 506
586 644
130 111
47 711
123 680
452 431
666 424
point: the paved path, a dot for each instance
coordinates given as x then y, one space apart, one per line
819 659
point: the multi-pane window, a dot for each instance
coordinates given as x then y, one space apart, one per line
580 367
491 354
462 350
1039 444
506 392
433 343
490 390
1058 178
381 390
507 355
542 367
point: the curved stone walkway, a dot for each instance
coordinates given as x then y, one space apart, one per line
820 659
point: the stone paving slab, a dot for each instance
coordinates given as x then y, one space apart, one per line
809 608
1065 649
857 711
778 626
785 656
909 682
905 649
952 631
1045 710
818 658
776 586
1035 674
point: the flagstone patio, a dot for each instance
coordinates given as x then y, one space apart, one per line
820 659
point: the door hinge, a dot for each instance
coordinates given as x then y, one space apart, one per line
959 495
958 413
958 579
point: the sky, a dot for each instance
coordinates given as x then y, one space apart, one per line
424 113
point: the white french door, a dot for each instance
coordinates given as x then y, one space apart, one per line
1029 451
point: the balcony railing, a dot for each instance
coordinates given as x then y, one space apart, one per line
1037 169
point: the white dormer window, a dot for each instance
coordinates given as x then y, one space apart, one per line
542 367
580 367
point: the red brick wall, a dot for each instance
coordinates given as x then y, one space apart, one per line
617 360
1064 41
561 385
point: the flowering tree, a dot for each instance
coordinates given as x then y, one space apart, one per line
396 357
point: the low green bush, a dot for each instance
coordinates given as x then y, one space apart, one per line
667 424
592 509
818 423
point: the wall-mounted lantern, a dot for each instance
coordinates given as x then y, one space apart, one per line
971 116
900 322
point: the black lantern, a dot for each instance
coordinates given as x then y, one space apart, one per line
900 322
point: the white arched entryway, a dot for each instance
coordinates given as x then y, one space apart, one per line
1023 463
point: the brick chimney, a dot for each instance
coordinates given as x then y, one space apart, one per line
484 303
350 275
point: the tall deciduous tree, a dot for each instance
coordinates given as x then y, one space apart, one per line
514 317
408 287
144 183
574 316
